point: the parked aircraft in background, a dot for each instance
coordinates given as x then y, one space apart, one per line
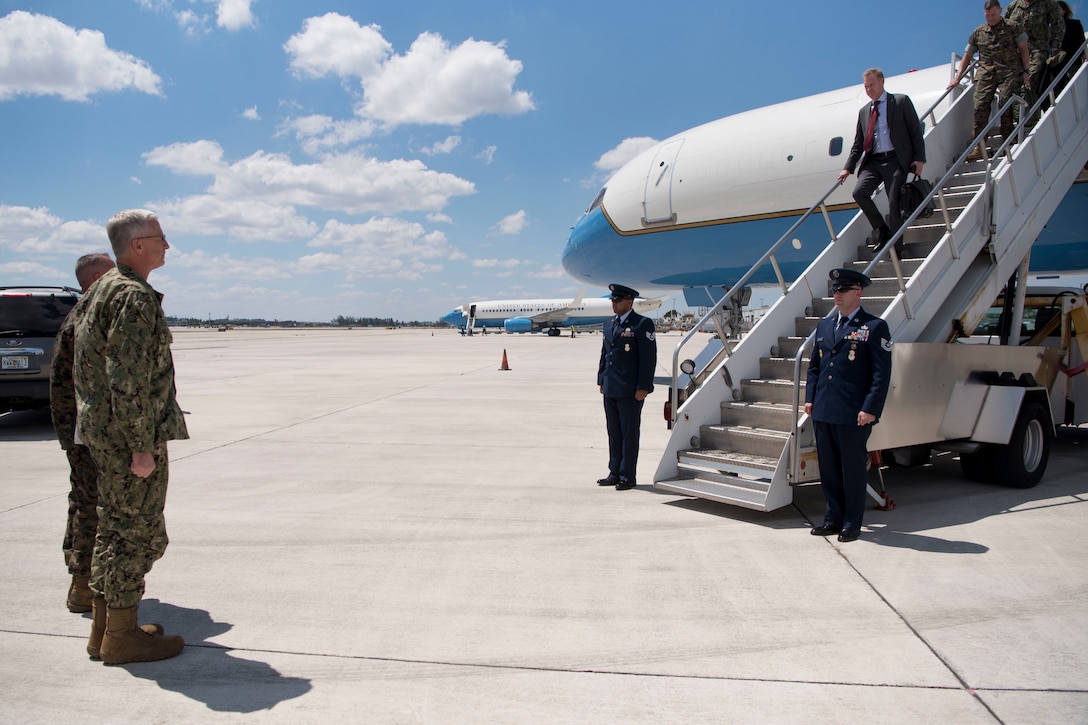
552 315
697 210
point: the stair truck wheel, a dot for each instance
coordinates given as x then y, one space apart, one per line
1022 462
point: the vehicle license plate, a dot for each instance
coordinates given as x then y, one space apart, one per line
15 362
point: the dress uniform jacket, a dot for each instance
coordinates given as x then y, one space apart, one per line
852 375
628 356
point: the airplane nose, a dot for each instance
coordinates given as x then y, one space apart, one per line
582 253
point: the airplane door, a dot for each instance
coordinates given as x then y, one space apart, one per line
657 202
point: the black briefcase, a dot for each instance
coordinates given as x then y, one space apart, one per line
914 191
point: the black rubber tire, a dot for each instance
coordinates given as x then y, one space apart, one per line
1022 463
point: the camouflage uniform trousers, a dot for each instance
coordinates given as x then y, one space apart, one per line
131 528
987 85
1036 78
82 527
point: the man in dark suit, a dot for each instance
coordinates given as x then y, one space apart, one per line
625 376
848 377
889 144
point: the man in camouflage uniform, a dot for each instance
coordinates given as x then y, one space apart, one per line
1043 22
1002 66
82 523
126 412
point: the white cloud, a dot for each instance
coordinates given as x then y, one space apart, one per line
235 14
250 114
225 266
513 224
488 154
549 271
379 249
495 263
443 147
433 83
350 182
198 157
33 273
628 149
36 231
436 217
335 44
41 56
231 15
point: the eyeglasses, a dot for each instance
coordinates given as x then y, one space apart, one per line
617 299
156 236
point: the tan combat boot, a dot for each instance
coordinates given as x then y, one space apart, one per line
79 594
98 628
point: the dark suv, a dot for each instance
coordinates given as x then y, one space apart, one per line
29 320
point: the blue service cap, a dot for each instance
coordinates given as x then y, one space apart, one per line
620 292
846 278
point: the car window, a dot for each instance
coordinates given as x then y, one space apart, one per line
37 316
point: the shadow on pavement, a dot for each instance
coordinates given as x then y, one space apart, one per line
929 498
210 673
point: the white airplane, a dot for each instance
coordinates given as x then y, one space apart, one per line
697 210
540 315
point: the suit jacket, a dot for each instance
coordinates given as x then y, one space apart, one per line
628 356
851 375
904 128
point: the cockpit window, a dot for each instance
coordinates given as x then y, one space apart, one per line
597 200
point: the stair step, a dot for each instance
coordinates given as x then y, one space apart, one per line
885 268
821 307
777 368
749 441
724 462
787 346
757 414
736 492
769 391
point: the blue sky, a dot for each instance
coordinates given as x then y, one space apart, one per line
323 158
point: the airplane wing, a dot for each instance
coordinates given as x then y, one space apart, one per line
651 304
559 314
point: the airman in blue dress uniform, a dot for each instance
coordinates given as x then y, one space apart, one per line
848 377
625 377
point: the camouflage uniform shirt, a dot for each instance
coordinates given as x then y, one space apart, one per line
124 372
1041 19
998 53
62 394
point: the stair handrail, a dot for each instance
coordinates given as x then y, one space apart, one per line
769 256
793 473
889 248
738 285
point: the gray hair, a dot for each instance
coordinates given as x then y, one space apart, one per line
127 225
873 72
88 264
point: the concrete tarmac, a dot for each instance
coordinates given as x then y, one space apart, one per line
380 526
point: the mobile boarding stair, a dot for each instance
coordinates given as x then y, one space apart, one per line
738 435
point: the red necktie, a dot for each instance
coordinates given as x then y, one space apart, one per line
871 131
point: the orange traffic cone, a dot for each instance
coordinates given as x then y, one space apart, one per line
505 365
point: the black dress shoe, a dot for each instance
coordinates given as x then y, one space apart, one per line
609 480
849 535
825 530
624 484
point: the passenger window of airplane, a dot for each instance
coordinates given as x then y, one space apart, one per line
836 146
